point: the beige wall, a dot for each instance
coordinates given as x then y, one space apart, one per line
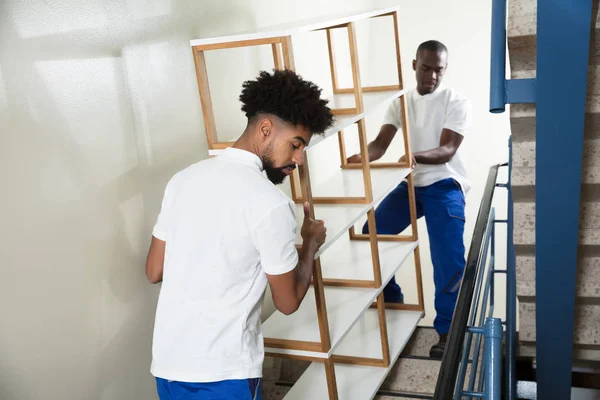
98 108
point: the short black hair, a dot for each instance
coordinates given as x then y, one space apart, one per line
285 94
432 45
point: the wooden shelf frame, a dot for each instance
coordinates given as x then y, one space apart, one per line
352 43
357 89
301 191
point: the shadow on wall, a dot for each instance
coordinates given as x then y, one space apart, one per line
96 121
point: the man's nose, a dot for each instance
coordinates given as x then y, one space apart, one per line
298 159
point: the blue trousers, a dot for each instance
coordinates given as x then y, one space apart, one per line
443 206
234 389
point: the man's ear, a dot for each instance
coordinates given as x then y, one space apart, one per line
265 128
414 65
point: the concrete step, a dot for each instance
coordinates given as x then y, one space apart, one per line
416 375
421 341
274 391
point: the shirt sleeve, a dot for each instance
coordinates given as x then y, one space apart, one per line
275 239
392 115
458 116
159 230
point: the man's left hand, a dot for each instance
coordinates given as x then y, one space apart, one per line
403 160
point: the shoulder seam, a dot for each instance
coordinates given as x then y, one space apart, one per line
261 219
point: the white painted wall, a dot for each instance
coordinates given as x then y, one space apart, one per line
98 108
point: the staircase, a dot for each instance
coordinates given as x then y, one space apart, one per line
521 33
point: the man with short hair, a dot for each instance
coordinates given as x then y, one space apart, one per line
438 119
224 231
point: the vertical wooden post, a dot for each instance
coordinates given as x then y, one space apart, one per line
385 345
355 67
364 153
331 380
319 288
288 52
342 145
362 131
398 56
335 86
289 63
277 56
205 99
374 247
334 81
317 275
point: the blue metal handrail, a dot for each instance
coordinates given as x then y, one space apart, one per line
474 323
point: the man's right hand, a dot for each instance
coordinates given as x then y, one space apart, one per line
377 148
355 159
313 231
375 152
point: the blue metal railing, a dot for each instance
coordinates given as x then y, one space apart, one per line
473 323
482 324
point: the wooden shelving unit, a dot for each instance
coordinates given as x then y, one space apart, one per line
343 325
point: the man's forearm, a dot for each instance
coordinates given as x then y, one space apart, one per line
304 270
438 155
376 150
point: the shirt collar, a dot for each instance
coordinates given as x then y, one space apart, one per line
437 91
244 156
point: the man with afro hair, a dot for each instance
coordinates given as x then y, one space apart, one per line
223 232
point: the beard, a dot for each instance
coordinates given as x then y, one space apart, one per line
274 174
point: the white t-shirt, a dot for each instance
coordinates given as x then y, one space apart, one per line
225 225
428 115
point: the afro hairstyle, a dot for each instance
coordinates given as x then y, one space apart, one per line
285 94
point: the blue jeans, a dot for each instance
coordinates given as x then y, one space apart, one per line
234 389
443 205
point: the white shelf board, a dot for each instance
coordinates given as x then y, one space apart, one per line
346 259
357 381
339 218
344 307
344 304
295 27
371 102
350 183
364 340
